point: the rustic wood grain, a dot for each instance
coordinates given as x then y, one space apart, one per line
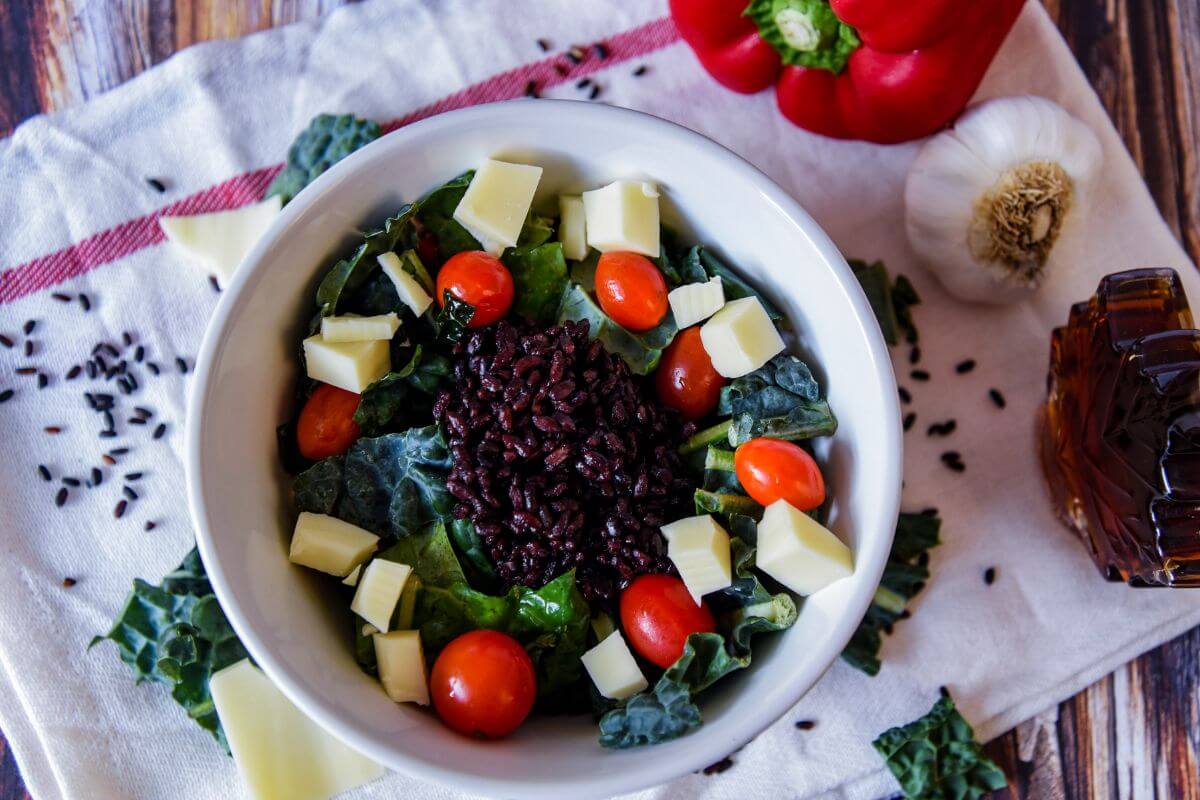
1134 734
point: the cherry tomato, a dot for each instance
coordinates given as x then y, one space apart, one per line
658 614
631 290
326 426
483 684
685 379
479 279
771 469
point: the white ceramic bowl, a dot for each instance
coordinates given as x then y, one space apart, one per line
298 630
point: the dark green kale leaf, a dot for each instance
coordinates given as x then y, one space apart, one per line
327 140
452 321
726 503
701 264
539 278
177 635
937 758
892 303
430 555
670 259
903 577
471 550
350 274
436 215
318 488
641 351
780 399
399 398
660 715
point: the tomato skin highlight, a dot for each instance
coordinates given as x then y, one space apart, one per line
685 379
483 684
658 614
326 426
772 469
631 290
480 279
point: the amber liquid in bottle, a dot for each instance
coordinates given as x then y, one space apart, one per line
1120 430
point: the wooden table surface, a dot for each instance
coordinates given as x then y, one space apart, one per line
1136 733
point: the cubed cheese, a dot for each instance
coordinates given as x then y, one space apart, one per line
330 545
494 207
401 663
798 551
613 669
352 366
350 328
278 751
623 216
407 606
740 338
410 290
220 240
378 592
571 227
352 578
699 549
696 302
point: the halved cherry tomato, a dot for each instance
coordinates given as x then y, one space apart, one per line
772 469
326 426
483 684
480 279
685 379
658 614
631 290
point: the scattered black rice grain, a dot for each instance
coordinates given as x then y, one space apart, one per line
181 364
594 93
108 434
963 367
997 398
73 372
575 55
214 283
953 460
919 375
118 451
583 83
150 525
69 582
60 498
119 511
85 301
909 419
6 341
806 724
101 364
25 371
156 185
942 428
914 355
29 326
561 70
6 395
989 576
43 380
160 430
108 419
531 89
127 338
719 767
74 483
133 476
109 460
136 420
543 45
139 354
143 412
640 71
44 471
112 351
905 395
90 367
129 492
601 50
52 429
154 369
28 347
60 297
97 476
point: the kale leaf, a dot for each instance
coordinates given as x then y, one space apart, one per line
780 399
892 303
177 635
403 395
352 273
539 278
701 264
641 351
903 577
327 140
436 215
430 555
937 758
472 551
452 321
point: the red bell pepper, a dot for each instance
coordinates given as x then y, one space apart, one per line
878 70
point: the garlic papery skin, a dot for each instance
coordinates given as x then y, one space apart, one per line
987 201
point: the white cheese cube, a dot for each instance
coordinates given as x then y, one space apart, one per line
330 545
351 328
613 669
378 592
352 578
494 207
410 290
571 227
407 606
623 216
401 664
699 549
696 302
798 551
220 240
352 366
740 338
278 751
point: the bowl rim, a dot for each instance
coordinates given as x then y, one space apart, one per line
737 730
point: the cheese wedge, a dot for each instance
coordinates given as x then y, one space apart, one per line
401 663
623 216
350 328
740 338
410 290
798 551
572 230
330 545
696 302
352 578
279 753
494 207
699 549
378 592
352 366
613 669
220 240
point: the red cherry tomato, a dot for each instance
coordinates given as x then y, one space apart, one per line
479 279
483 684
771 469
631 290
326 426
685 379
658 614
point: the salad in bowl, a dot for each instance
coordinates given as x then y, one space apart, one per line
554 460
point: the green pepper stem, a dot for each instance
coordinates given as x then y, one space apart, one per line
719 459
702 439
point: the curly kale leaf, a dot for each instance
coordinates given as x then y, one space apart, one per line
903 577
403 395
327 140
937 758
640 351
177 635
700 264
891 302
352 273
780 399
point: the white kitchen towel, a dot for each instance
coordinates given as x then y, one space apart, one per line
77 216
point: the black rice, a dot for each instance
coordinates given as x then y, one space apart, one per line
543 45
133 476
60 297
43 380
562 458
28 348
25 371
6 395
160 431
909 419
6 341
640 71
119 511
29 326
997 398
594 93
601 50
44 472
73 372
129 492
989 576
97 476
919 375
150 525
181 364
156 185
74 483
963 367
60 498
86 302
806 725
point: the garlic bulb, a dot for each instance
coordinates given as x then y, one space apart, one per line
987 201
